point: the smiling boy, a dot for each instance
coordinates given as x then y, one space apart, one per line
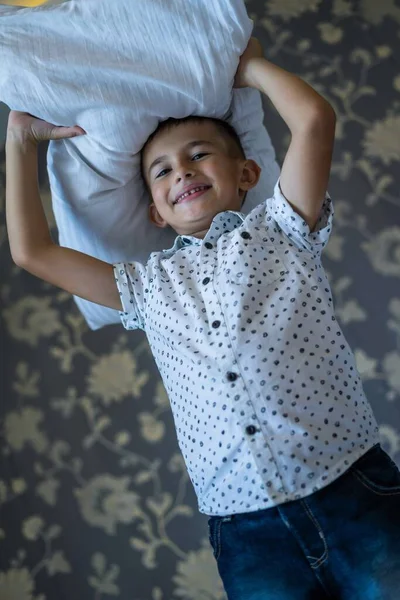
278 437
211 155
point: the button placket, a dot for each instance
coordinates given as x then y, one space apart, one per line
210 264
207 265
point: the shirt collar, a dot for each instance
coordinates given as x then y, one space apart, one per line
223 222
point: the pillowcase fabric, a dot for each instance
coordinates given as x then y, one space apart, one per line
117 69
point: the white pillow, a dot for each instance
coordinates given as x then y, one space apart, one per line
117 69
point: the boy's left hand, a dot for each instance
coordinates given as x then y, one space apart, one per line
253 52
27 128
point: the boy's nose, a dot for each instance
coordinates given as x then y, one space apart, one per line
184 173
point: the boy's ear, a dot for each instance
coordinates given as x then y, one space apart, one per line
250 175
155 217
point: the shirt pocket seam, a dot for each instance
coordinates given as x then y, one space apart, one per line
240 267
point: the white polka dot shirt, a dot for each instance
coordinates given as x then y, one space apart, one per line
267 401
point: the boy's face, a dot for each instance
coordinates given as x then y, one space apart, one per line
195 154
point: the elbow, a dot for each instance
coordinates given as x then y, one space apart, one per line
320 123
24 261
32 259
323 119
19 260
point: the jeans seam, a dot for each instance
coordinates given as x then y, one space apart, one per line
217 539
379 491
318 561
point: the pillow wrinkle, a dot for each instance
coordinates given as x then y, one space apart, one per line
117 69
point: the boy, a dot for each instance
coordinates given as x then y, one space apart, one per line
279 440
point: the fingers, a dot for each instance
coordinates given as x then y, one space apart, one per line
60 133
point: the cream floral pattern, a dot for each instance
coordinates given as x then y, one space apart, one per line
289 9
383 140
32 527
384 251
94 493
197 577
31 318
22 428
17 584
105 501
375 12
115 376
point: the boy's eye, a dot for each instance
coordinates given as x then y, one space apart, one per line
195 156
161 173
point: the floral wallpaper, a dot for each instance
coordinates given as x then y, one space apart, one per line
95 501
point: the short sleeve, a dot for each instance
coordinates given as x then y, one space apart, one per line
131 280
294 226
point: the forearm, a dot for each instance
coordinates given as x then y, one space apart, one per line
296 101
27 226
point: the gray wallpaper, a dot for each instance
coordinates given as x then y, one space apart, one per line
95 501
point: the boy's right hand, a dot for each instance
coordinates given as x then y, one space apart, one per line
254 51
27 128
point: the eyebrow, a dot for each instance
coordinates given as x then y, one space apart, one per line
160 159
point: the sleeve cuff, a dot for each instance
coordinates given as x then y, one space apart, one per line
294 225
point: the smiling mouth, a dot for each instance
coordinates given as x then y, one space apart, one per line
193 194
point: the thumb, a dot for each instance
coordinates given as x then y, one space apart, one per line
60 133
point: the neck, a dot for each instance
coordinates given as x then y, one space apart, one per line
201 234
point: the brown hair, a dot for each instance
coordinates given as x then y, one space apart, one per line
224 128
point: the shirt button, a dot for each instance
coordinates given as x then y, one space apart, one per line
216 324
208 245
231 376
206 280
245 235
251 430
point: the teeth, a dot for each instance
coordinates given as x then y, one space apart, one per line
190 193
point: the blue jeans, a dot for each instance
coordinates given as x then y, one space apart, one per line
342 542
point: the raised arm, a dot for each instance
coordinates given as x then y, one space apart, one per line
311 120
32 247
